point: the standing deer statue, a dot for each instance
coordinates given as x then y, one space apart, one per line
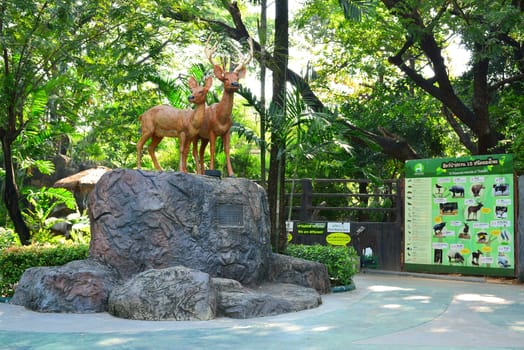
165 121
217 120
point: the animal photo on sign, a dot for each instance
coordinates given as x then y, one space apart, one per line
437 259
439 191
475 257
501 190
476 189
482 237
455 257
457 191
465 232
437 229
501 212
450 208
473 211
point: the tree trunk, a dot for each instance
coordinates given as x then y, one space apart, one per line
11 195
481 98
277 163
262 34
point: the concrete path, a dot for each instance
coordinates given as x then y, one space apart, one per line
386 311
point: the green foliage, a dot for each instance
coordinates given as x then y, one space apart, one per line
80 232
355 9
352 68
518 149
308 138
15 260
8 238
41 204
341 262
243 157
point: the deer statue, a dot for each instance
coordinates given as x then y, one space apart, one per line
165 121
217 120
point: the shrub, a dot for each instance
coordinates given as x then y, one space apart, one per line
8 238
15 260
41 204
341 262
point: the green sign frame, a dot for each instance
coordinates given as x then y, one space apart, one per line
460 215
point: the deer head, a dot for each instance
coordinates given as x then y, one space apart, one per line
229 79
199 93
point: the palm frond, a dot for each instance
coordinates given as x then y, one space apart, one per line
38 103
247 133
354 10
174 89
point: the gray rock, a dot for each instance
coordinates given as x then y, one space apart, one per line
175 293
81 286
149 220
236 301
287 269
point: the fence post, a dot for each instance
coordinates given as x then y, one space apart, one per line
306 200
399 201
519 235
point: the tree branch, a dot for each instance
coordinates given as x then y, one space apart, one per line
465 139
390 144
507 81
426 84
442 88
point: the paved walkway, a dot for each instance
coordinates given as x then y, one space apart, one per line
386 311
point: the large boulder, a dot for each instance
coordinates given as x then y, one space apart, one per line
149 220
179 293
81 286
176 293
237 301
287 269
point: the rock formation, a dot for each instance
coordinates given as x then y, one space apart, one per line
79 286
170 245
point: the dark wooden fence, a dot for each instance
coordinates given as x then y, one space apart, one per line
373 210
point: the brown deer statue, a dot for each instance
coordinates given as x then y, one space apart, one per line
217 120
165 121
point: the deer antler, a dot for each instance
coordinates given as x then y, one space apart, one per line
247 59
210 51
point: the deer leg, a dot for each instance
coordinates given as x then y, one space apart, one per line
226 139
155 140
139 147
203 144
195 156
184 150
212 142
139 155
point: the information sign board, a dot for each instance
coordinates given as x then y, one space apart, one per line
459 215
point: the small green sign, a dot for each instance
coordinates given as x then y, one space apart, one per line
338 238
311 228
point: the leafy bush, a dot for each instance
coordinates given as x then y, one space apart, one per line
41 204
80 232
15 260
341 262
8 238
